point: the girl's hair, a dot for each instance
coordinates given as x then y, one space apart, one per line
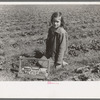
58 14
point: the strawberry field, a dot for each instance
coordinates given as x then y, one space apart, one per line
23 30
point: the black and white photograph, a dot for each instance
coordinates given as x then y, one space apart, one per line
50 50
50 42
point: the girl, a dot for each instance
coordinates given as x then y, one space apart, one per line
56 40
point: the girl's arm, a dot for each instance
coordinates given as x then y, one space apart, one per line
61 49
47 45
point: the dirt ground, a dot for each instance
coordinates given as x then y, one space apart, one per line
24 28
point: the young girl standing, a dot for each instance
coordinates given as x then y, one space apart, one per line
56 40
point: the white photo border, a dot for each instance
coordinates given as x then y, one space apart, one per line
43 89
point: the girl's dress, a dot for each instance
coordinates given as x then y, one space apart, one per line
56 45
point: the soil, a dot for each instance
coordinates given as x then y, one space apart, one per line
23 31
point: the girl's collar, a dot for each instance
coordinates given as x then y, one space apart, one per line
58 30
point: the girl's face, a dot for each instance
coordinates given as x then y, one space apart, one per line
56 22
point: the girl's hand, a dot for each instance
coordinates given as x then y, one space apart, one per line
58 66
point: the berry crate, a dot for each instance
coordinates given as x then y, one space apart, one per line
32 71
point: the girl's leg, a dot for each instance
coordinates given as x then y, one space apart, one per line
43 63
